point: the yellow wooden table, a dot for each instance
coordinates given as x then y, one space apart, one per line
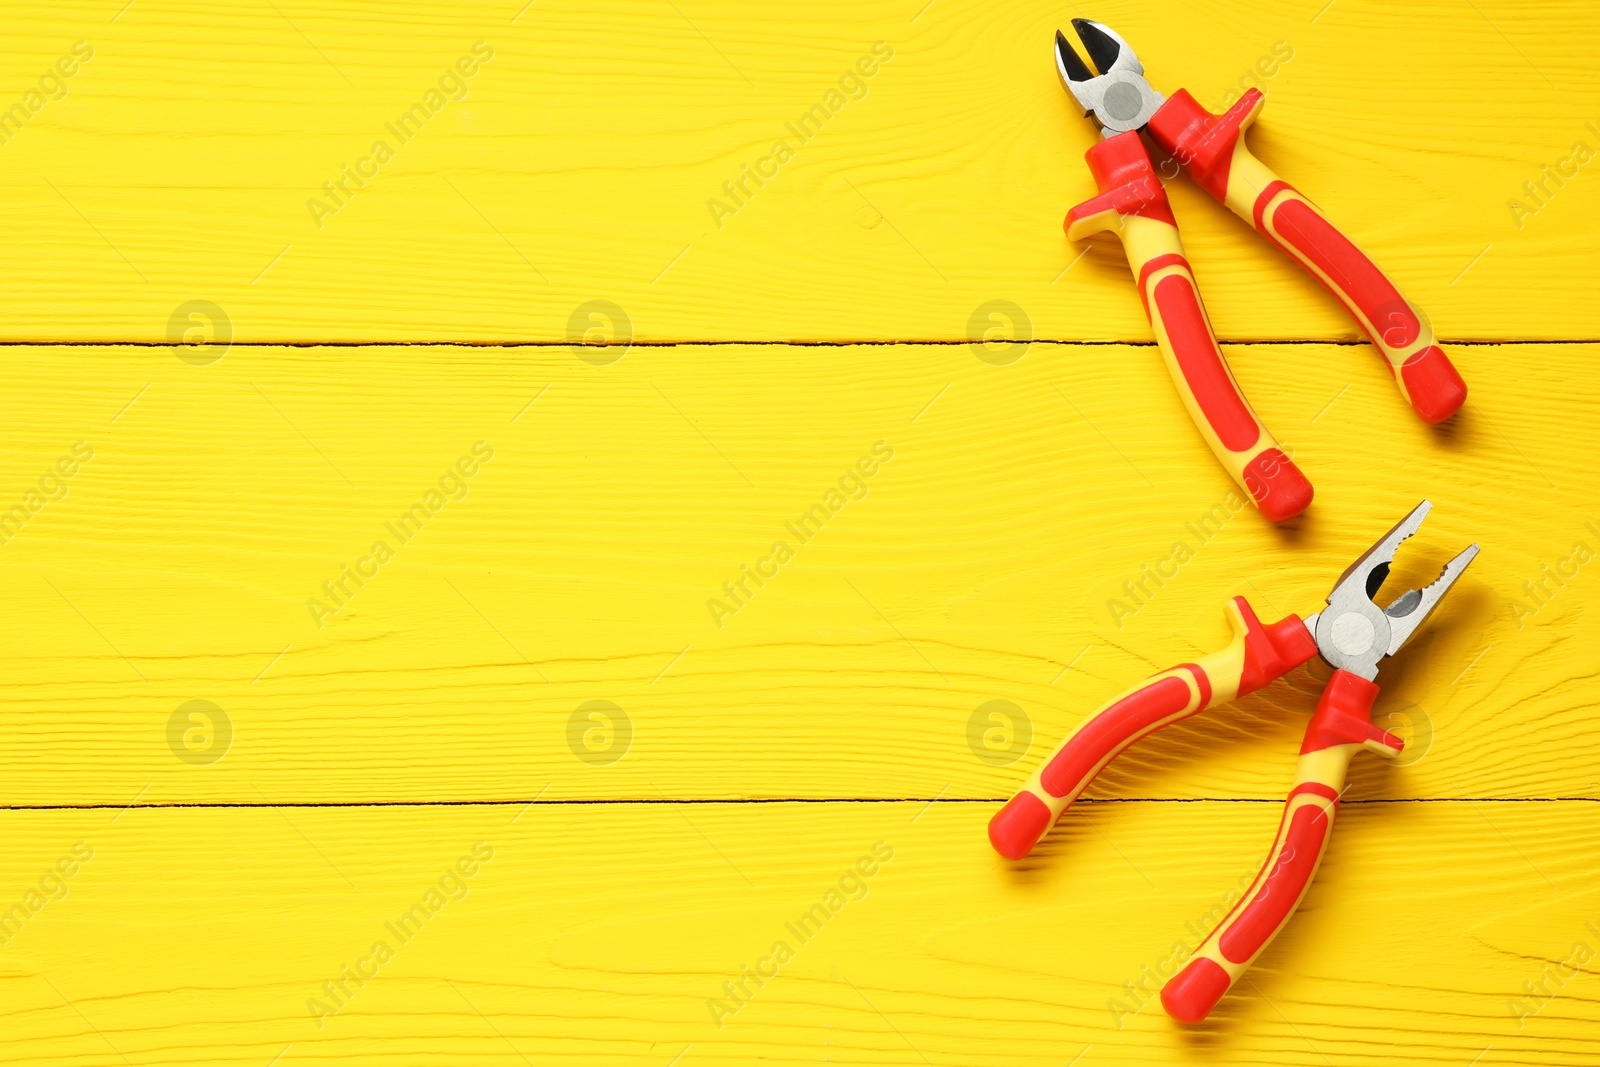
375 689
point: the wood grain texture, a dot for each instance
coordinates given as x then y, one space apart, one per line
167 522
580 164
598 934
579 566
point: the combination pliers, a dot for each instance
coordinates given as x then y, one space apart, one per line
1353 635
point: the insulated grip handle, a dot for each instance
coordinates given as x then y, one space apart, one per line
1133 206
1212 148
1340 728
1257 655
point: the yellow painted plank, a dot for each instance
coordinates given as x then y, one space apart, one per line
975 566
598 934
178 164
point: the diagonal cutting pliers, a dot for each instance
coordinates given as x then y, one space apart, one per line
1133 206
1352 634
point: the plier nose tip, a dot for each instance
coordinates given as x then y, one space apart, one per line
1117 96
1069 64
1106 47
1354 598
1108 53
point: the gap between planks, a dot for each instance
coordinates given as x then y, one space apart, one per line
1238 343
763 800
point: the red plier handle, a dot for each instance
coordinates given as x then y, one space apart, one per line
1212 149
1257 655
1341 727
1133 206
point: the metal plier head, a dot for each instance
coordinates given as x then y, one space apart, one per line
1118 96
1352 632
